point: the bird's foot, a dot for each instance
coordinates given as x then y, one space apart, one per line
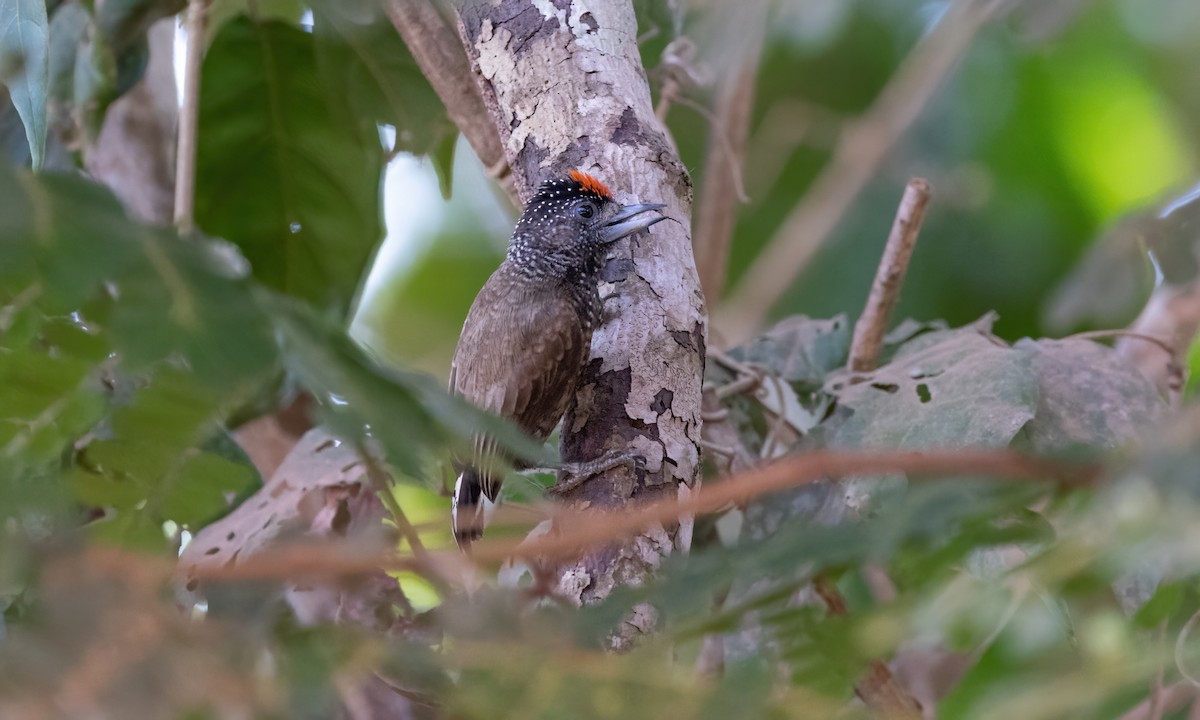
576 474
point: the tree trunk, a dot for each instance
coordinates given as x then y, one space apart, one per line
566 88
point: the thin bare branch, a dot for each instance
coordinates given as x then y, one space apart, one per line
723 188
889 278
189 114
439 54
860 151
579 530
1171 699
878 689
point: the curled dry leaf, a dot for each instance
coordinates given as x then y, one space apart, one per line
321 487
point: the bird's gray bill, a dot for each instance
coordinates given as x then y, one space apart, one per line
629 219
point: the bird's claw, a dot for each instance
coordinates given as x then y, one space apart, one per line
576 474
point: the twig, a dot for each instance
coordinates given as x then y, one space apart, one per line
723 187
189 115
1163 343
1172 697
723 145
381 481
586 529
860 151
589 529
439 53
879 689
889 278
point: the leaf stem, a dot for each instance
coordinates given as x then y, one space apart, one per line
889 277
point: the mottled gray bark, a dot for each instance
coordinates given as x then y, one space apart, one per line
564 82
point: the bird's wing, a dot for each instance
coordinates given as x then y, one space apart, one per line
519 356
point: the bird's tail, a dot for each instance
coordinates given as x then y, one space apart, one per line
470 507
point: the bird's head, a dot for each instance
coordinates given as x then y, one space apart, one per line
577 217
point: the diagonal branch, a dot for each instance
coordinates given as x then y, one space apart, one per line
722 189
579 531
889 277
860 152
439 54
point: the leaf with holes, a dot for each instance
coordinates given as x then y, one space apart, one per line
965 390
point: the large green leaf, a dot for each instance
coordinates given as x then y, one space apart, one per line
122 348
293 183
24 66
220 12
409 413
363 61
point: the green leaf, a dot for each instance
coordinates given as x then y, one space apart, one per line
443 162
408 413
278 174
185 297
46 402
24 66
366 65
202 487
1161 606
964 390
124 22
64 232
800 349
1089 396
221 12
1193 369
69 238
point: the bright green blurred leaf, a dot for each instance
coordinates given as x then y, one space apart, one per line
1193 369
408 413
221 12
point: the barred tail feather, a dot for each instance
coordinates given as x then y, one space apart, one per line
470 507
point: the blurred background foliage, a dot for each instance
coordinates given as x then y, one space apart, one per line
335 204
1061 119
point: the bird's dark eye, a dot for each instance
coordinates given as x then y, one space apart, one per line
586 210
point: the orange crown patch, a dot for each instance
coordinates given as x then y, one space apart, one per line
591 184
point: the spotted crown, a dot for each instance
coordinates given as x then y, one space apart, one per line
576 184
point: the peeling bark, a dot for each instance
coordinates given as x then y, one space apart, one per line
564 82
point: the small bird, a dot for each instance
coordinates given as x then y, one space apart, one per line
529 332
